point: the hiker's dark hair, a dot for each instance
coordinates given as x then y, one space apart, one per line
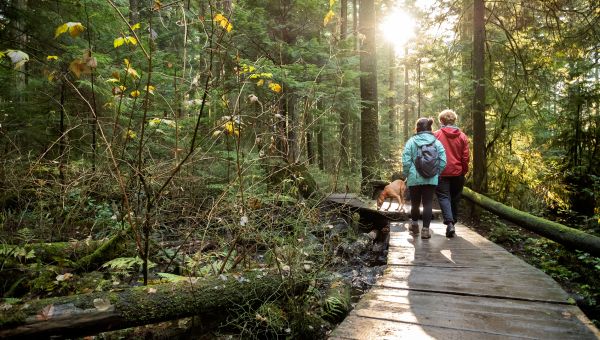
424 124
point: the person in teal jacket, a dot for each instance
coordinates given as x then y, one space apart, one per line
421 189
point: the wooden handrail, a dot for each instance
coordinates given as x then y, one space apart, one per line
568 237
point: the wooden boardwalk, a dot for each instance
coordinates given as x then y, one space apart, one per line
461 288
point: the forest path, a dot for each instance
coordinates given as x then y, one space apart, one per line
465 287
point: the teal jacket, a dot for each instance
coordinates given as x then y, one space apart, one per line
410 153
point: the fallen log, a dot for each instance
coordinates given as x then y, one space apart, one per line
105 252
568 237
87 314
48 252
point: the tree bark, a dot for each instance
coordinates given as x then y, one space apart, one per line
479 133
86 314
391 100
368 92
568 237
134 12
405 103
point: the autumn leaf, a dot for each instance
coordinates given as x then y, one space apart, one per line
46 313
260 82
118 42
230 129
74 29
157 5
18 58
223 22
112 80
124 40
79 67
328 17
130 134
136 26
135 94
275 87
130 70
150 89
51 57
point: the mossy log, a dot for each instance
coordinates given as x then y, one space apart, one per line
568 237
51 252
106 252
87 314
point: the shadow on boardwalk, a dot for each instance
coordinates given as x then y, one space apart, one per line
461 288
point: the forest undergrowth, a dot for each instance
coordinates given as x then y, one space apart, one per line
47 227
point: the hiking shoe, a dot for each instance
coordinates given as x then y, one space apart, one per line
414 228
425 233
450 230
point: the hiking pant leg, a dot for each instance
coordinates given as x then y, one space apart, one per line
427 196
456 187
415 202
443 194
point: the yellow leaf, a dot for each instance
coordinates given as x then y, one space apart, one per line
217 133
229 27
132 72
328 17
331 3
260 82
154 121
126 62
230 129
75 28
135 94
112 80
150 89
131 40
118 42
157 5
51 57
2 54
125 40
60 30
130 134
136 26
275 87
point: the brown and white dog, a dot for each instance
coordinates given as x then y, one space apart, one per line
394 190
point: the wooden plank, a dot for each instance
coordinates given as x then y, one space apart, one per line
461 288
472 316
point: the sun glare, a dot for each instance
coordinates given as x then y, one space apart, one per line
397 28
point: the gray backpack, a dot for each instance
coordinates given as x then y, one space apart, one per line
428 160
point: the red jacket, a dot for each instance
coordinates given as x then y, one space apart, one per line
456 144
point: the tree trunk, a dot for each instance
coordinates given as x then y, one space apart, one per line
320 150
368 92
134 12
568 237
391 100
343 109
308 137
405 104
479 153
87 314
343 19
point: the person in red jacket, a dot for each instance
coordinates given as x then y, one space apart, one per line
452 179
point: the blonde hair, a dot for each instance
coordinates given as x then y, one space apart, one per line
447 117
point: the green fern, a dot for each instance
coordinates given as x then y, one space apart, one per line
127 263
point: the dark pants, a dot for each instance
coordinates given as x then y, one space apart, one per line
448 191
418 194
